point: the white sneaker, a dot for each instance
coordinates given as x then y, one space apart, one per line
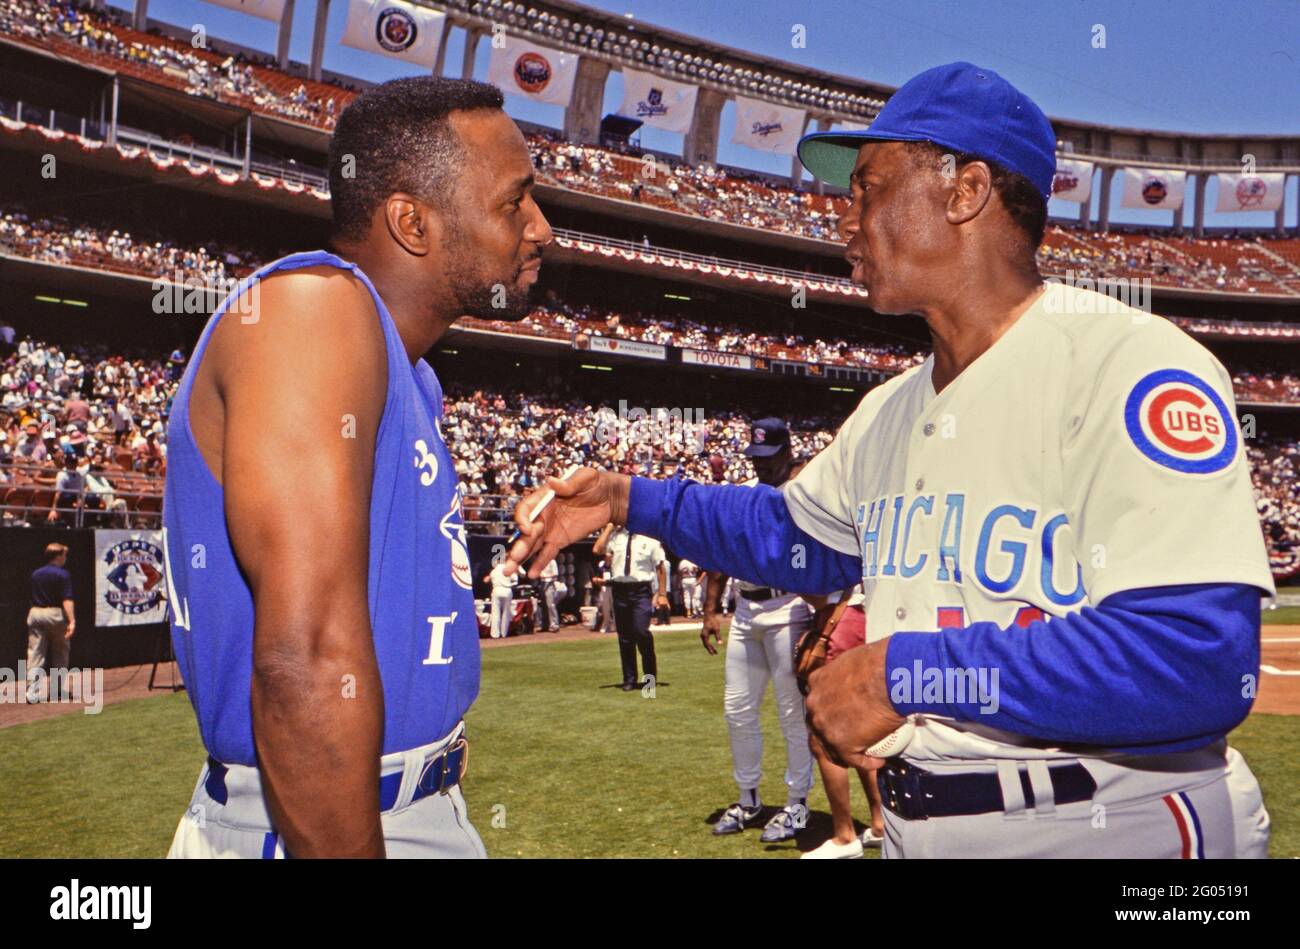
833 851
871 839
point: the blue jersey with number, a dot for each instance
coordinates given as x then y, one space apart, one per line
418 581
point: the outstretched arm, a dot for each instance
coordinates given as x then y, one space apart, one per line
745 532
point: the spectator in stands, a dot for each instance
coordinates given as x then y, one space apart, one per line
69 486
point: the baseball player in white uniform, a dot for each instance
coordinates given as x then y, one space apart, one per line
1052 520
550 578
692 589
760 649
503 589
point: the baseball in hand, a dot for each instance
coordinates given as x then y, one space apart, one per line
893 743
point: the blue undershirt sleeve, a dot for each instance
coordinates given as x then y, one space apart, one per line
1152 670
744 532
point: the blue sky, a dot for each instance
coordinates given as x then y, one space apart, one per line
1192 65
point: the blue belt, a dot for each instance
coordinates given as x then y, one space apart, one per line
438 777
916 794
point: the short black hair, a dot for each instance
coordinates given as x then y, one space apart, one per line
1023 201
396 137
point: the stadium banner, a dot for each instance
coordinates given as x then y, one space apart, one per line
657 101
1073 181
393 28
1154 189
130 578
768 127
620 347
850 127
1250 192
534 72
263 9
707 357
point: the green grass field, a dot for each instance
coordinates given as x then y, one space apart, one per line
559 767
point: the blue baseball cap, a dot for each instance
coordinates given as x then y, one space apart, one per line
959 106
767 437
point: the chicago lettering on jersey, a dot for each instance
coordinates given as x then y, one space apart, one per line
1012 546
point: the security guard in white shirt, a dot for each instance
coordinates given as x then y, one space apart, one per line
635 562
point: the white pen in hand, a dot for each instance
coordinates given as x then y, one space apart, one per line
547 497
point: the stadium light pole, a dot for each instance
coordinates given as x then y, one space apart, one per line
282 40
472 35
140 15
1103 199
1198 219
318 39
440 62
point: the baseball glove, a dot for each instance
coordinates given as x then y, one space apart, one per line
810 654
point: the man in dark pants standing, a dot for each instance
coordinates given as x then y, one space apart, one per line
634 560
50 624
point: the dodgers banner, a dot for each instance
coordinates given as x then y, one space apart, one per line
1250 192
393 28
535 72
768 127
1155 189
130 578
657 101
1073 181
266 9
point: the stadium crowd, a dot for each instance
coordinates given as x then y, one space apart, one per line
1230 264
82 433
58 240
704 190
1275 469
83 441
208 74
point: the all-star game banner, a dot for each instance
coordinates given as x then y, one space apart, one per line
130 578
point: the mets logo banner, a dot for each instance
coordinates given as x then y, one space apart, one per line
768 127
266 9
657 101
1250 192
535 72
1154 189
392 28
130 578
1073 181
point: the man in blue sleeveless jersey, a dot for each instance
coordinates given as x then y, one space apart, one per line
321 607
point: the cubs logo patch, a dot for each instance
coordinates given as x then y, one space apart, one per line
1179 421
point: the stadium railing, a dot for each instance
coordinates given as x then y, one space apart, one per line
654 250
27 499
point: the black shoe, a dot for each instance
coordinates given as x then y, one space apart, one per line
629 686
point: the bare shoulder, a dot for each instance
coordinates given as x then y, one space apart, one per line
305 337
308 313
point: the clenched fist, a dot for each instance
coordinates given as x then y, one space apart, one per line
848 706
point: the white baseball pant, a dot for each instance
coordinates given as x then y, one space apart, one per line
434 826
1190 805
500 621
757 654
